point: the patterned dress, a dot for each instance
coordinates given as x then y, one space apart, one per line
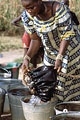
52 31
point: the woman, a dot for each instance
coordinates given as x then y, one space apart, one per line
26 42
50 22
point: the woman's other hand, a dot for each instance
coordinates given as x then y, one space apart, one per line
58 65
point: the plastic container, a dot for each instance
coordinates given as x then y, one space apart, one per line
38 112
15 93
5 83
13 68
2 97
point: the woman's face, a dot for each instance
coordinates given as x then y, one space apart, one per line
32 8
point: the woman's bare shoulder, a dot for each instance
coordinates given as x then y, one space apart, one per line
56 6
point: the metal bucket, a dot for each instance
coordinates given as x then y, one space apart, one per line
67 111
66 116
2 97
4 83
38 112
15 93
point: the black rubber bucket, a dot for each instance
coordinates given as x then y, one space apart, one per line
15 93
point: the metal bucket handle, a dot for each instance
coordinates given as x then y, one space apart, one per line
3 70
5 73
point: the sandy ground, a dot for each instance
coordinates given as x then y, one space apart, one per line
11 55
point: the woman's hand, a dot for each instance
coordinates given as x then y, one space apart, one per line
25 65
63 46
58 65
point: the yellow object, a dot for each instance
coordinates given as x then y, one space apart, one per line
60 57
27 57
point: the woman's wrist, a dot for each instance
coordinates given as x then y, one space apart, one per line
27 57
59 57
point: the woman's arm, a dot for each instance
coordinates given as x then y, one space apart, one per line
63 46
16 21
33 49
34 45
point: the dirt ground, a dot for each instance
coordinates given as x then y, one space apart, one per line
11 55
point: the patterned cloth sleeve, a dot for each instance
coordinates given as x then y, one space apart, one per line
28 22
64 23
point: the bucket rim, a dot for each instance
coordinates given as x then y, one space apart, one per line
43 104
9 79
22 88
63 103
64 115
9 89
3 92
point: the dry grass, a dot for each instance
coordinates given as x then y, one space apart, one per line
9 9
75 6
7 43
